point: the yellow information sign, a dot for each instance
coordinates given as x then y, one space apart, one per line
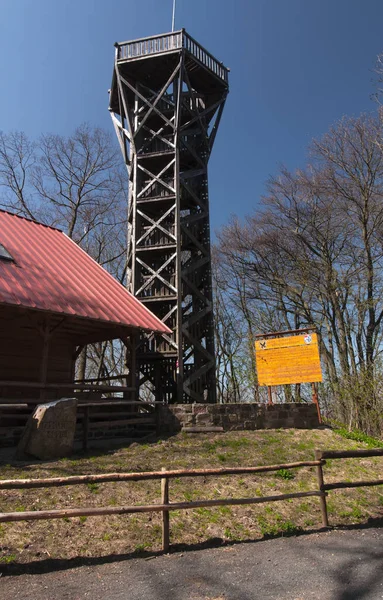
290 359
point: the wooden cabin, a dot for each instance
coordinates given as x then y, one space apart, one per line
54 300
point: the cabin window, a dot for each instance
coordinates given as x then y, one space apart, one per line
4 254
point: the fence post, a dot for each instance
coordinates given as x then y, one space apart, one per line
165 513
157 417
323 504
85 428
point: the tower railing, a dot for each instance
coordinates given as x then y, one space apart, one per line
169 42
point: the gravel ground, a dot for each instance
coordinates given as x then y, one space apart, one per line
333 565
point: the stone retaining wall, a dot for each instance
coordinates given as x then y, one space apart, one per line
236 417
173 418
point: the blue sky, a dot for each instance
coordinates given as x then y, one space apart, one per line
297 66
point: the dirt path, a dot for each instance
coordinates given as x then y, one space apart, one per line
335 565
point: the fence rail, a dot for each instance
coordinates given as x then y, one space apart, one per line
169 42
35 385
165 506
350 453
94 412
8 484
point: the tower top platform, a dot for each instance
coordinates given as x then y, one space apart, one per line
171 43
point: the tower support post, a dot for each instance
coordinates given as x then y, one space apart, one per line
166 103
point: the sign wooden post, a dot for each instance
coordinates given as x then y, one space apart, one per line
316 401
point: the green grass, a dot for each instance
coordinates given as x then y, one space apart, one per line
284 474
277 527
235 444
93 487
142 547
8 559
359 436
114 534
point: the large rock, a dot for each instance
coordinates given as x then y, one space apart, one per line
49 432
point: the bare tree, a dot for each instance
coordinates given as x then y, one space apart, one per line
229 340
74 183
17 161
313 255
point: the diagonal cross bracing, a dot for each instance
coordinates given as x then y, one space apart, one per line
156 224
166 111
156 274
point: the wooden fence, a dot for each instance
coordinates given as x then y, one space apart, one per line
165 506
321 455
94 413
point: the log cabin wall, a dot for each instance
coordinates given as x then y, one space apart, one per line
21 355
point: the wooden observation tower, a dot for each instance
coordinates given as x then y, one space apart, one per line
166 103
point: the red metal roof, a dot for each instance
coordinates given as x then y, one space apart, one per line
50 272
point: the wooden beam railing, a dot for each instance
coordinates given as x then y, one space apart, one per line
66 386
91 413
169 42
321 455
147 416
97 379
165 506
156 44
16 484
203 56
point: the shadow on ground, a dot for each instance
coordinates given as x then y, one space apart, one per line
355 570
97 449
49 565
